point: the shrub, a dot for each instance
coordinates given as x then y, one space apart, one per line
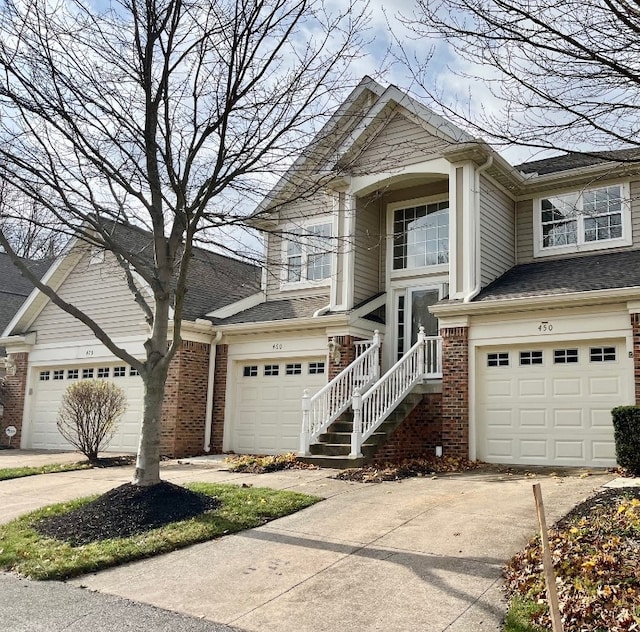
626 428
89 415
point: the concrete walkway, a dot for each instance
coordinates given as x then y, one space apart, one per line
423 554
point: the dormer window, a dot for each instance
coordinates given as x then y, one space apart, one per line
587 220
308 257
421 236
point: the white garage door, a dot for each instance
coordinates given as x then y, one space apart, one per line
267 409
551 404
50 383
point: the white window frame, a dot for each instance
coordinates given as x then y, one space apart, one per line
397 206
305 241
582 246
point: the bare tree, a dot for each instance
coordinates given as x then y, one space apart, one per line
165 114
89 414
566 73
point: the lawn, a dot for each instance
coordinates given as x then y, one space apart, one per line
596 555
23 550
7 473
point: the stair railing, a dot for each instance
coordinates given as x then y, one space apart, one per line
322 409
370 409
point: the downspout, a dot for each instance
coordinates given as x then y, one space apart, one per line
210 384
321 311
476 241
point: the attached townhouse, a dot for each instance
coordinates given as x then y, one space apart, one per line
421 295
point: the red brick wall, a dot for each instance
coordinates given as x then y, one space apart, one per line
219 398
455 391
418 435
347 355
15 400
185 402
635 327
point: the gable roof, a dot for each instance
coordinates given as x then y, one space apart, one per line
213 280
563 276
14 288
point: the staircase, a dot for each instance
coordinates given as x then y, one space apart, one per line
334 446
367 416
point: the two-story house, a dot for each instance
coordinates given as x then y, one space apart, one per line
505 299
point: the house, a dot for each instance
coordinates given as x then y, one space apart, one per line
421 295
432 298
48 349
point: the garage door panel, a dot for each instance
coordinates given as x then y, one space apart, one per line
269 421
559 412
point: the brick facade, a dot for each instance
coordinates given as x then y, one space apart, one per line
347 355
635 330
15 400
219 398
455 391
184 407
418 435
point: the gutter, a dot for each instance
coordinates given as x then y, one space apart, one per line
210 384
476 242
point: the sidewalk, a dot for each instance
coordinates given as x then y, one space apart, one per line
423 554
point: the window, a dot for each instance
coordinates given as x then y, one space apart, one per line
250 371
103 372
589 218
133 372
294 369
316 368
58 374
45 376
602 354
87 374
119 371
497 359
530 357
565 356
72 374
271 369
421 236
401 327
308 257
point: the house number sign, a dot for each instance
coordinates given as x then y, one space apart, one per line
545 327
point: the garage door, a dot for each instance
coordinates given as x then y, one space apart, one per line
49 385
551 404
267 410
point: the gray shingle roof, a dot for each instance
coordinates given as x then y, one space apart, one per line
14 288
571 160
285 309
561 276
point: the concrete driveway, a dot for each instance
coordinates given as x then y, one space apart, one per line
421 554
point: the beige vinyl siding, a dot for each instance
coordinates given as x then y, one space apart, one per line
525 219
524 231
274 264
399 143
496 231
99 290
304 210
368 243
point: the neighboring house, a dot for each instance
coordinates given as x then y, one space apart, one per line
526 281
50 349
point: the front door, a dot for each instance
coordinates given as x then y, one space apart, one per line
413 313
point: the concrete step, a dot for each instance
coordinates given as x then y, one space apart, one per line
338 462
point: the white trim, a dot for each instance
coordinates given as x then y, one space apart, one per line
238 306
581 245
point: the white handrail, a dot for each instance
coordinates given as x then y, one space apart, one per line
423 360
322 409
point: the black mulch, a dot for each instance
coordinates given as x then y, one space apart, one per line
604 499
125 511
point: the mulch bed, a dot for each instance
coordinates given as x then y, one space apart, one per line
125 511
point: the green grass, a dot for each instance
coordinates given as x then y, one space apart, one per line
519 616
7 473
23 550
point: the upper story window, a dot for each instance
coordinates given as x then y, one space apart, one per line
421 236
587 220
308 257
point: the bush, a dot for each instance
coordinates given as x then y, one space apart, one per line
626 428
89 415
